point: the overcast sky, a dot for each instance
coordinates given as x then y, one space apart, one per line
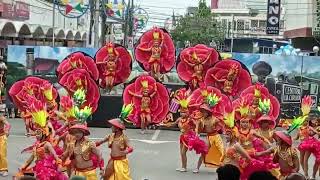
160 10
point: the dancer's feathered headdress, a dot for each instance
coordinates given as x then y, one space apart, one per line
125 112
306 105
39 114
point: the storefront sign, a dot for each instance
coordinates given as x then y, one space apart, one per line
273 17
316 28
291 94
16 11
22 10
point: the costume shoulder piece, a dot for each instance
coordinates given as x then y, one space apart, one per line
36 87
194 62
149 98
228 76
114 64
78 60
155 51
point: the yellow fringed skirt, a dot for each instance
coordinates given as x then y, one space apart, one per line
216 151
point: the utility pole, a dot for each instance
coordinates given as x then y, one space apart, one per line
131 19
92 15
125 33
103 29
96 24
232 34
53 21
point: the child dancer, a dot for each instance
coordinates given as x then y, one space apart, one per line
118 165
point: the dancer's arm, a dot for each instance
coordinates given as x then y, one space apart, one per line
261 137
129 148
28 162
53 132
104 140
208 57
49 147
145 49
266 152
134 94
241 151
97 152
315 131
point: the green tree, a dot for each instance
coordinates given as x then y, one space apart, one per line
15 72
200 27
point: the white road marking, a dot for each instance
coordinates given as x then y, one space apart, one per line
155 135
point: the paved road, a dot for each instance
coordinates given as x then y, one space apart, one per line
155 155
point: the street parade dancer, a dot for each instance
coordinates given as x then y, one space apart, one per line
306 134
79 81
155 52
118 164
194 63
234 152
187 125
213 104
229 77
47 163
4 133
67 113
283 152
114 65
265 125
150 99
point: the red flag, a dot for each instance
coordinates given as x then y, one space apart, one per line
69 8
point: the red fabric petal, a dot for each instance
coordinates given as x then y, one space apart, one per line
79 60
159 105
220 72
187 66
69 81
167 57
123 66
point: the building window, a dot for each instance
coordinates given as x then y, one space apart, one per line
224 22
262 24
240 24
254 23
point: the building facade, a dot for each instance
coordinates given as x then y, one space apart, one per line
302 21
245 22
30 22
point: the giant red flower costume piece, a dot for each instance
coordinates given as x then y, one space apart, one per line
155 52
79 80
211 99
253 102
194 63
114 65
229 77
150 99
78 60
39 88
